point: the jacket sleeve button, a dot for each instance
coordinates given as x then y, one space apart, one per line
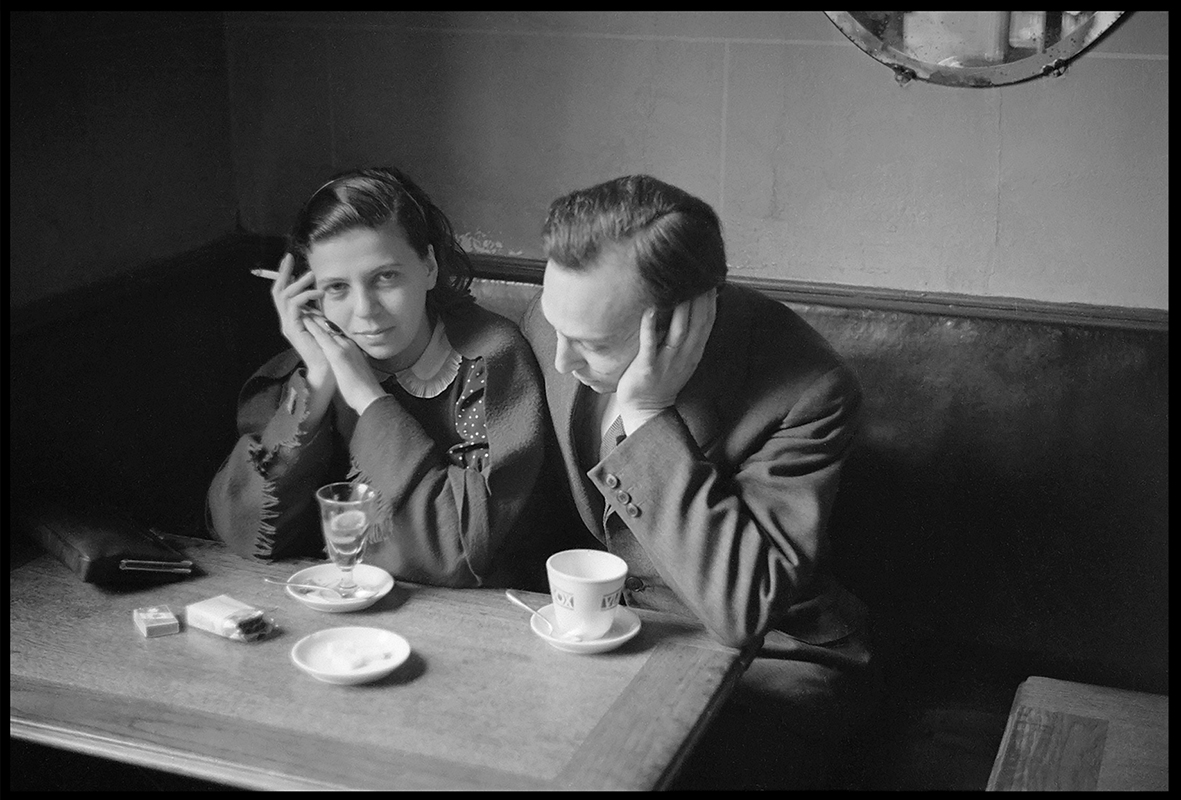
612 481
633 510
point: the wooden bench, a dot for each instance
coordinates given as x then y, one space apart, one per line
1070 736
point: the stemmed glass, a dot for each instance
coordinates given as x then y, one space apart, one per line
346 512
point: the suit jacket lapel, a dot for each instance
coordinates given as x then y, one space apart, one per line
565 394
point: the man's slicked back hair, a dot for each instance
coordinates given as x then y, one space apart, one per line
676 237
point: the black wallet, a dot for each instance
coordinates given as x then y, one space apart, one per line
103 545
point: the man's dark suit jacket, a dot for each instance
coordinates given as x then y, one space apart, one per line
724 499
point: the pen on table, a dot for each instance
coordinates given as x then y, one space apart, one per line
269 274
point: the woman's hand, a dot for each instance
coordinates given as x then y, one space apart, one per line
295 301
354 378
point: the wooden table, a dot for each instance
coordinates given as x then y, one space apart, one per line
1073 736
482 703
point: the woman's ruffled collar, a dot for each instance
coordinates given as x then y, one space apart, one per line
434 370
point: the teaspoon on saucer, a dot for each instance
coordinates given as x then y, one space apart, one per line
568 635
359 594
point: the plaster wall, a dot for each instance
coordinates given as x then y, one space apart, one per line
822 167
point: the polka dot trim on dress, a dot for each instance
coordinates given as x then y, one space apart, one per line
471 421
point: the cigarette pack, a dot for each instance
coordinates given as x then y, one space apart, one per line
233 619
156 621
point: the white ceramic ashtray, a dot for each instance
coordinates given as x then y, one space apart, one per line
350 655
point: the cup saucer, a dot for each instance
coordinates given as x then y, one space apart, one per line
625 626
374 582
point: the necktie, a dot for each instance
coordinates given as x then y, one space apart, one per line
612 438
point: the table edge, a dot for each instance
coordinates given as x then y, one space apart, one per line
128 751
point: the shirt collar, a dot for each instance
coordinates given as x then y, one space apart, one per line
434 370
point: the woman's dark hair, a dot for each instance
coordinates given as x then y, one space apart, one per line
370 197
676 237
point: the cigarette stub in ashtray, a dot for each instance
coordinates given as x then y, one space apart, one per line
156 621
233 619
346 656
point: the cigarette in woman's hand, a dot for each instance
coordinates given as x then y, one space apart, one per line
269 274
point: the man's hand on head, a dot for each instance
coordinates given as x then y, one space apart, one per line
662 367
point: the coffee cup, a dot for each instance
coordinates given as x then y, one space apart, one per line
585 586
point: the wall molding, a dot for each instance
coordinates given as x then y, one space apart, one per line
254 250
530 270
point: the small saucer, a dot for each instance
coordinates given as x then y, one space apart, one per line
625 626
350 655
374 582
